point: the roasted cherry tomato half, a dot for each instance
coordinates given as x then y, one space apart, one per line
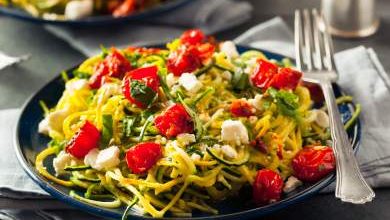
286 78
175 120
267 187
263 74
140 86
241 108
124 9
143 156
113 65
192 37
313 163
183 60
260 145
85 139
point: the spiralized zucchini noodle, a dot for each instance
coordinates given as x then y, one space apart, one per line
195 169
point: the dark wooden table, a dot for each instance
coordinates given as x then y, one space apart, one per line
50 55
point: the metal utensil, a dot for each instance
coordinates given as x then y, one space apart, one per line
314 56
350 18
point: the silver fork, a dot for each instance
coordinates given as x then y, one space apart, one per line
314 56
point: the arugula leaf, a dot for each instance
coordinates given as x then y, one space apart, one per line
106 130
142 93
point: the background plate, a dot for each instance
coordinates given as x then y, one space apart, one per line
28 143
97 20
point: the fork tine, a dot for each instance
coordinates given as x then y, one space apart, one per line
318 42
328 44
298 40
308 39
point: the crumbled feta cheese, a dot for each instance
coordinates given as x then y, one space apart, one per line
62 160
171 80
190 82
43 126
195 157
75 85
229 151
234 131
291 184
229 48
55 119
77 9
186 139
322 119
227 75
90 158
256 102
107 158
104 159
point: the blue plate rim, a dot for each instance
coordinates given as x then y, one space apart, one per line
259 211
96 20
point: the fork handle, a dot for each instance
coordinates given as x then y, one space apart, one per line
350 184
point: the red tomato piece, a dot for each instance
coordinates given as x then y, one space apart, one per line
205 51
263 74
147 75
143 50
313 163
286 78
113 65
192 37
183 60
241 108
267 187
83 141
124 9
143 156
175 120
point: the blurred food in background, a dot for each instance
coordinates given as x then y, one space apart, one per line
78 9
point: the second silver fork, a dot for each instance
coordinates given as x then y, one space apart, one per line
314 56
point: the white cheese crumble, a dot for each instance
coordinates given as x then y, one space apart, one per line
229 48
43 126
234 131
195 157
190 82
186 139
171 80
291 184
77 9
107 90
104 159
256 102
322 119
62 160
229 151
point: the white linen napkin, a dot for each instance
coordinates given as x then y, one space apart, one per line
210 16
361 75
6 60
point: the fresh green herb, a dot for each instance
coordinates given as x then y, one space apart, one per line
142 93
287 102
105 51
128 123
194 116
81 75
145 127
65 76
240 80
106 130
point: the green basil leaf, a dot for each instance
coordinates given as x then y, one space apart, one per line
142 93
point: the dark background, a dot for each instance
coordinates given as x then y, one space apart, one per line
50 55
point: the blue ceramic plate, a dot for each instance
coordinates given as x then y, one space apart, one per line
97 20
28 143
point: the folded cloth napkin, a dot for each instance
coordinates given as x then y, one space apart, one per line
210 16
361 75
6 60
